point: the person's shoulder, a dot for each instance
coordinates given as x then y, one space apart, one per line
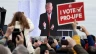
28 19
53 13
43 14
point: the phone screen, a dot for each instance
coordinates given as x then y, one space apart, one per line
43 48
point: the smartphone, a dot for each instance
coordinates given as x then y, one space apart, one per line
78 27
64 41
43 47
14 35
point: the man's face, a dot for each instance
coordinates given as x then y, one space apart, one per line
49 8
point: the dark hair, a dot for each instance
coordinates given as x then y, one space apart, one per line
34 40
43 48
65 50
91 50
11 45
50 40
57 39
52 51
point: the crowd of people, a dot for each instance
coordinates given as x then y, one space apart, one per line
16 40
49 44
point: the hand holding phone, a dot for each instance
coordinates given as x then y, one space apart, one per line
15 34
43 47
64 41
20 40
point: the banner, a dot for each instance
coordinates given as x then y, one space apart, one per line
67 12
